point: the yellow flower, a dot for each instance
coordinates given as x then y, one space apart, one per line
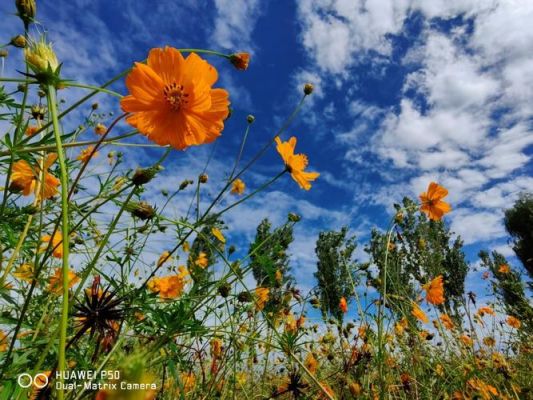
202 261
400 326
295 163
216 233
24 272
40 56
432 203
172 100
261 297
55 283
186 247
169 287
56 245
241 378
419 314
485 390
188 380
238 187
466 340
163 258
485 310
86 154
216 348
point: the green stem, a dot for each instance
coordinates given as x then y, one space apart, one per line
92 87
51 98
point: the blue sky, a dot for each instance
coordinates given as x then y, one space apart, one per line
407 91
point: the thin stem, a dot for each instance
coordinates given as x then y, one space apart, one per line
51 98
92 87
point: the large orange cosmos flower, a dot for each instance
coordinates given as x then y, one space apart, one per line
435 291
172 100
432 203
295 163
24 178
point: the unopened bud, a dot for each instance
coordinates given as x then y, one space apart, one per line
250 119
244 297
143 175
224 289
185 183
3 53
294 217
18 41
141 210
38 111
26 10
203 178
240 60
308 89
94 106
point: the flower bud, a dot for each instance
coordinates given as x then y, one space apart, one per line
244 297
19 41
294 217
250 119
3 53
26 10
240 60
141 210
38 111
308 89
185 183
203 178
94 106
41 57
143 175
224 290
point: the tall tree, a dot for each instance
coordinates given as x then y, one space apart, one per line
519 224
335 270
509 287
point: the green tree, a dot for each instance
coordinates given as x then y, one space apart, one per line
419 250
336 270
519 224
509 288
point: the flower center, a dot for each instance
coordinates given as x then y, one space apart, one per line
175 96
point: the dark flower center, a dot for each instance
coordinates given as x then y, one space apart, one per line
175 96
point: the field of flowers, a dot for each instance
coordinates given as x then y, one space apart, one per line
81 317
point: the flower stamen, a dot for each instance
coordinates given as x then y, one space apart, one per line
175 96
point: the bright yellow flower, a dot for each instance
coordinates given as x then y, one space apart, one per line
202 261
261 294
55 283
432 203
419 314
172 101
56 245
435 291
25 178
238 187
24 272
295 163
218 234
85 154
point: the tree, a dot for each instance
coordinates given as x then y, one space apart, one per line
419 250
335 270
509 288
519 224
270 261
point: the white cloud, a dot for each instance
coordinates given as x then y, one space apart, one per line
477 226
235 22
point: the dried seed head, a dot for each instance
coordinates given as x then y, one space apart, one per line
141 210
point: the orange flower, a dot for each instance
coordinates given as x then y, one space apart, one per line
3 341
85 154
100 129
489 341
56 247
188 380
485 310
24 272
216 348
163 258
504 269
240 60
432 203
295 163
435 291
485 390
169 287
172 101
447 321
514 322
31 130
311 363
419 314
261 294
24 178
466 340
55 283
343 305
237 187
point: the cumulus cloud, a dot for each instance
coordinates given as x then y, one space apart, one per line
235 22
